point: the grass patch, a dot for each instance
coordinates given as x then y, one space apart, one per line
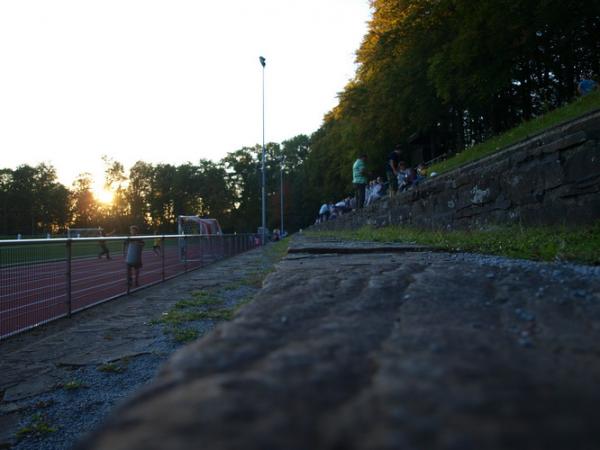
211 305
73 385
233 286
272 252
203 305
183 335
38 427
199 298
255 279
276 250
568 112
178 317
580 245
111 368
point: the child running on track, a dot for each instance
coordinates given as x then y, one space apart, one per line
132 249
103 247
156 244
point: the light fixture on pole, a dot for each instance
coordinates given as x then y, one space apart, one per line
263 62
282 161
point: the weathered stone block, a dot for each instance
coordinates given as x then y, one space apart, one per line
582 163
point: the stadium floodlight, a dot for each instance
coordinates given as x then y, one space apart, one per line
263 62
282 161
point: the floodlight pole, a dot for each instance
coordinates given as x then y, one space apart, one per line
281 195
263 193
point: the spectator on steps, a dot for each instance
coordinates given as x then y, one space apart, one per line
421 172
391 170
323 213
332 212
375 191
344 206
402 176
359 179
411 177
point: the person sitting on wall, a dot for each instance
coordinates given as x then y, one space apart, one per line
376 191
368 189
421 173
333 212
323 213
401 176
343 206
411 177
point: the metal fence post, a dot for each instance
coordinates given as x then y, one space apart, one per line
162 256
185 244
128 273
69 278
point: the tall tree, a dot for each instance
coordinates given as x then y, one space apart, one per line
115 180
139 193
85 209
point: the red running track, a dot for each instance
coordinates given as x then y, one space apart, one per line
33 294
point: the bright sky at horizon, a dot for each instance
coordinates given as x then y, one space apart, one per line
165 81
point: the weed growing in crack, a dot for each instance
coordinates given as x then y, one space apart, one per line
73 385
183 335
111 368
37 427
202 306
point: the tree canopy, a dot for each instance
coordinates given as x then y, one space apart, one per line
433 75
440 75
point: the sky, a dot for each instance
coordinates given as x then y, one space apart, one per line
166 81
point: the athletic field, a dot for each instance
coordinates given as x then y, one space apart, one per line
43 280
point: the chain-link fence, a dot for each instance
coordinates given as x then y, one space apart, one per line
44 279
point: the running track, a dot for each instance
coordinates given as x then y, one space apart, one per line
33 294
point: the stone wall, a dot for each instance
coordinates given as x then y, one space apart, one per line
548 179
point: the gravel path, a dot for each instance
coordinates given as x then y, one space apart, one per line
61 380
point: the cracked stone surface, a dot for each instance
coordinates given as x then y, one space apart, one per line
385 350
35 365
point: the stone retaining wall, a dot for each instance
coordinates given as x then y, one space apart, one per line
549 179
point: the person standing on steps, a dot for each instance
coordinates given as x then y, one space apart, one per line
132 249
359 179
391 170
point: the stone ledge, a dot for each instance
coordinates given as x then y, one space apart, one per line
381 351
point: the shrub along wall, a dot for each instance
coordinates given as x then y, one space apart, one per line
549 179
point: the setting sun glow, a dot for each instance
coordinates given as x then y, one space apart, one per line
103 196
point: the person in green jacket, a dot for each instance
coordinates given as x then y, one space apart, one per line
359 179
